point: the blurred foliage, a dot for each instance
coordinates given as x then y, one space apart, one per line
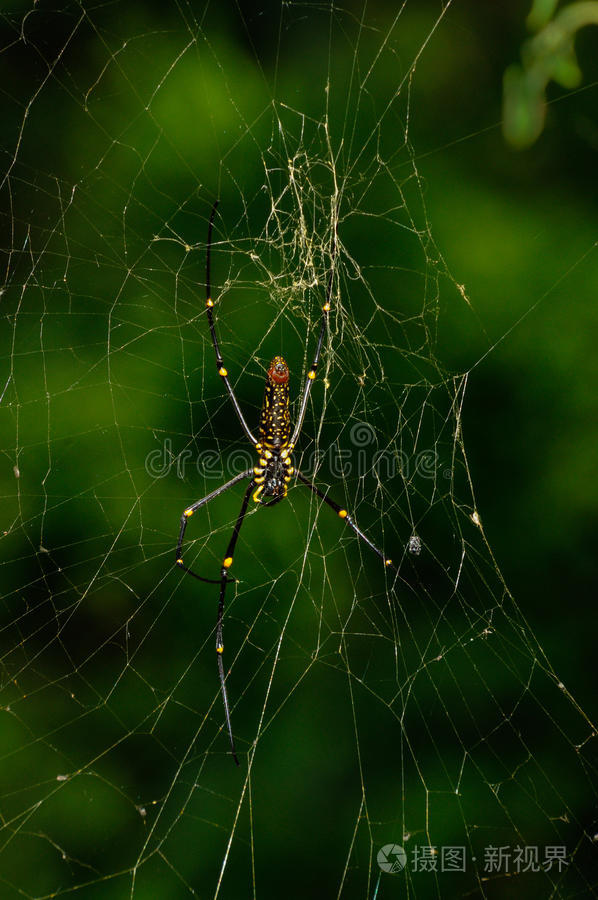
548 56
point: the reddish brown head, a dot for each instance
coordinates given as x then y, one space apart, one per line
278 372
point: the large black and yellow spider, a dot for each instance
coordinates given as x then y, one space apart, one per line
269 480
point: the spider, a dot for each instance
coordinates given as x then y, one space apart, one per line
269 480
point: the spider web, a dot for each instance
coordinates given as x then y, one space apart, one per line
368 710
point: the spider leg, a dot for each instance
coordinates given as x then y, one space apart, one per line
189 512
226 564
343 514
222 371
311 375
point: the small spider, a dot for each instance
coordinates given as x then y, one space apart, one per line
269 480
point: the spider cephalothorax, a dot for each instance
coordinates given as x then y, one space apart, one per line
270 478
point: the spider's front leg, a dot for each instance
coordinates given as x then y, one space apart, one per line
222 370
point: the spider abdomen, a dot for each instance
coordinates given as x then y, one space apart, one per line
274 471
275 420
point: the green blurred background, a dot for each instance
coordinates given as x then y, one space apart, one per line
435 711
